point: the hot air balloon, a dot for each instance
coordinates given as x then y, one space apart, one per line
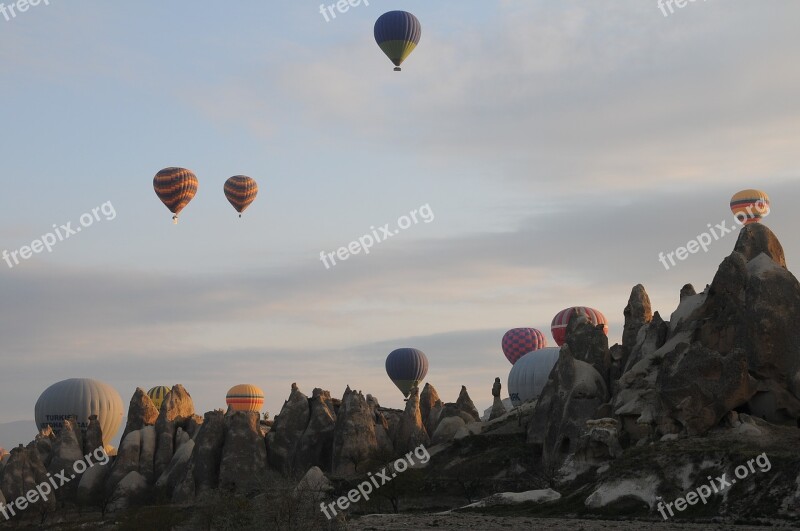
406 367
749 206
245 397
530 373
80 398
157 395
175 187
559 325
397 33
240 191
519 341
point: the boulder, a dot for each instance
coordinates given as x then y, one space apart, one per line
314 484
130 490
177 467
91 489
447 429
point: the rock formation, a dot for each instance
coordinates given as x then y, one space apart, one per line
411 432
355 444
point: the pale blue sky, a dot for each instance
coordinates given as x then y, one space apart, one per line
561 146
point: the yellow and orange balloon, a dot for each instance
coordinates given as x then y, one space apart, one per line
240 191
749 206
245 397
176 187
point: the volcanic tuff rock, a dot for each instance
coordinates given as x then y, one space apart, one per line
287 431
202 472
94 436
177 410
354 442
427 401
464 403
244 456
316 442
571 396
411 432
67 450
23 472
141 412
733 347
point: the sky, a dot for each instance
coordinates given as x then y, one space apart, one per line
559 147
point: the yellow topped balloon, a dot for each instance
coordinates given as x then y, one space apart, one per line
157 394
749 206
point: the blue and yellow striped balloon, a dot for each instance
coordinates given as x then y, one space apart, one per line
397 33
406 367
157 395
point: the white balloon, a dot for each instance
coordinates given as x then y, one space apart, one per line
81 398
530 373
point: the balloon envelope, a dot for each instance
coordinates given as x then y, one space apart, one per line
157 395
397 33
245 397
559 325
519 341
530 373
175 187
406 367
81 398
749 206
241 191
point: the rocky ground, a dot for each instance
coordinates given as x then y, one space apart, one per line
455 521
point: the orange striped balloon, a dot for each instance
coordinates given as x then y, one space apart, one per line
241 191
245 397
749 206
175 187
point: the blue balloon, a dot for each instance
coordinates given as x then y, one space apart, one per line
397 33
406 367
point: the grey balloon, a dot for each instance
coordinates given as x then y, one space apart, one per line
530 373
81 398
